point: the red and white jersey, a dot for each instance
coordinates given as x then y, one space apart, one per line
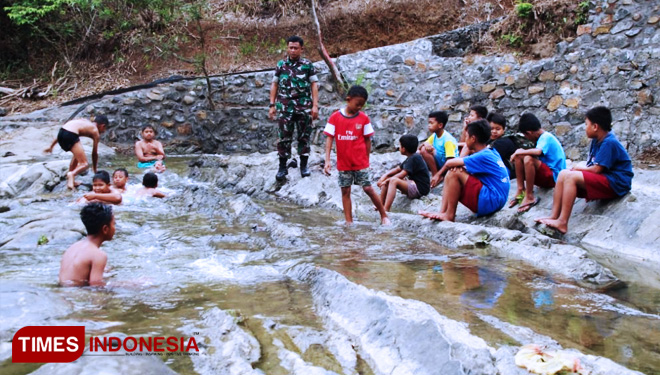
350 133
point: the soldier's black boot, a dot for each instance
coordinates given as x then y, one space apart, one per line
304 172
282 172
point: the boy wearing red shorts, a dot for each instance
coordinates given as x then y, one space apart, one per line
608 173
538 166
479 181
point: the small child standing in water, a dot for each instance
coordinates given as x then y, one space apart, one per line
83 263
149 151
353 131
150 183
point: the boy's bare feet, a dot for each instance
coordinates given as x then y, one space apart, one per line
562 227
542 220
431 215
70 181
385 221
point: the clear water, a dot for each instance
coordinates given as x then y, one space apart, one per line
168 264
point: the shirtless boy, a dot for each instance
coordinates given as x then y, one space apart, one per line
119 180
101 190
149 151
83 263
69 140
149 185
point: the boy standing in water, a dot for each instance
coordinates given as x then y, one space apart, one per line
608 173
353 131
411 177
83 263
479 181
149 151
69 140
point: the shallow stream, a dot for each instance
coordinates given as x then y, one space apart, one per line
168 266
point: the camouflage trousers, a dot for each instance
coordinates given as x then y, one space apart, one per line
302 124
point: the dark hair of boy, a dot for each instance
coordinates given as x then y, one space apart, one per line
528 123
148 127
358 91
480 110
440 116
122 170
409 143
150 180
601 116
480 129
295 39
101 120
497 119
103 176
94 216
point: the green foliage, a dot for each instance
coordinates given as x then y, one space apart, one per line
524 10
275 48
248 47
42 240
582 13
513 40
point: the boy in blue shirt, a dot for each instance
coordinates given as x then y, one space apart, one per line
479 181
439 147
608 173
411 177
538 166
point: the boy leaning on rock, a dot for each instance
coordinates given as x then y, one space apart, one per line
69 140
607 175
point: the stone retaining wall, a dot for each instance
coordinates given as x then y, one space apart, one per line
614 62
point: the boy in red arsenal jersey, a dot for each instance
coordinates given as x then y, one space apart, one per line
352 130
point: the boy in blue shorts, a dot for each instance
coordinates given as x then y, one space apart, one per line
352 130
538 166
479 181
608 173
439 147
411 177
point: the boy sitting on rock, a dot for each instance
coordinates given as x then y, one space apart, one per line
353 131
440 146
149 185
411 177
101 190
83 263
608 173
149 151
538 166
479 181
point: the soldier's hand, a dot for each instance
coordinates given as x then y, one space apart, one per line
315 112
271 113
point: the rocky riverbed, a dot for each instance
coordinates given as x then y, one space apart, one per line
270 280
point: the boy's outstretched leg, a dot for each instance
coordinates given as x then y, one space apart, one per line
379 205
571 181
394 184
347 204
520 179
530 165
78 164
455 181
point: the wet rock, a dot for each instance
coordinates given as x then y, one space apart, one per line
395 335
229 349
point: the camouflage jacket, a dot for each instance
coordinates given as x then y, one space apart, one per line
294 85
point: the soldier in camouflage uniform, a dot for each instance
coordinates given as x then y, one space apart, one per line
296 89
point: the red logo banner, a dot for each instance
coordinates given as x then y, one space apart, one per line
59 344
